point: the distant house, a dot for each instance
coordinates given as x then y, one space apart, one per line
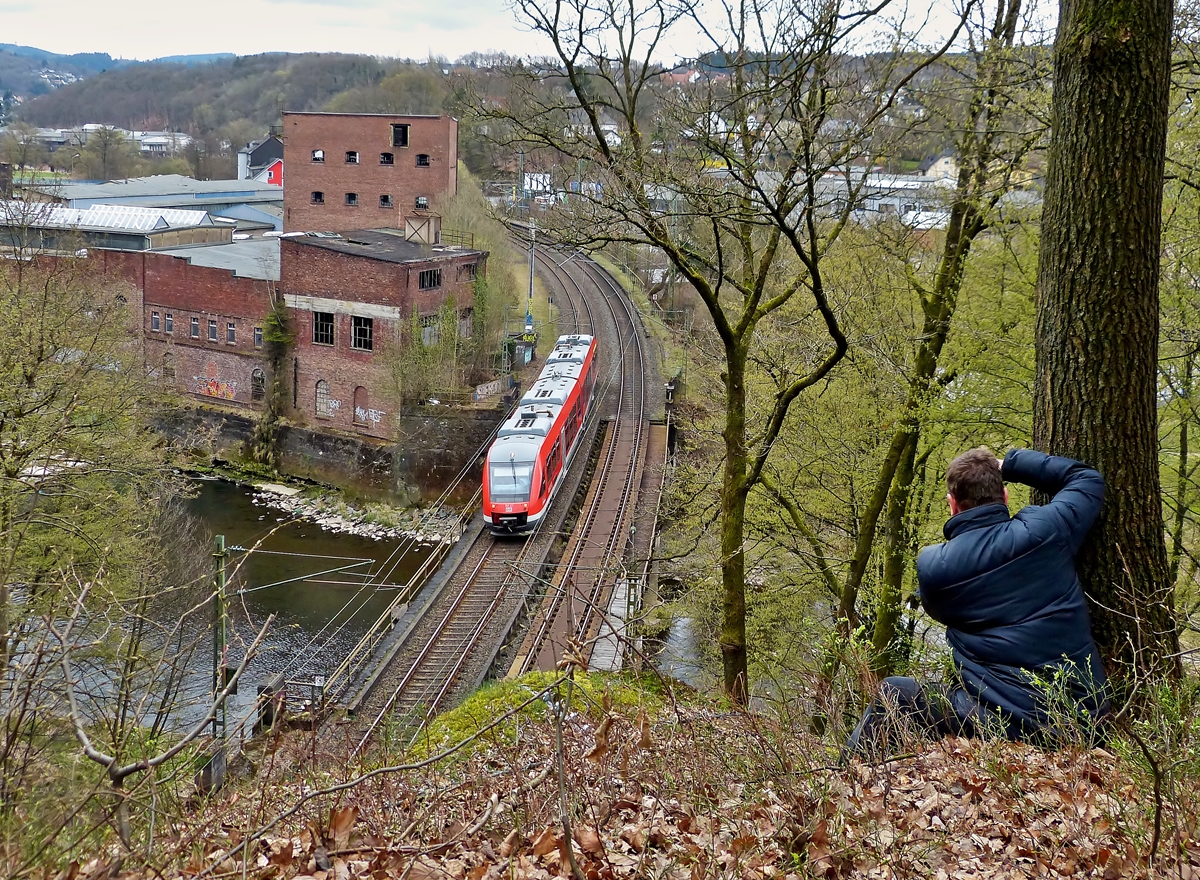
940 167
259 156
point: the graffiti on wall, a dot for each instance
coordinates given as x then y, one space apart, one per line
214 387
374 416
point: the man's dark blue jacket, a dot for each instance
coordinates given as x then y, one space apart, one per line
1006 589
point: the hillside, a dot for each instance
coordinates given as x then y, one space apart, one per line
205 96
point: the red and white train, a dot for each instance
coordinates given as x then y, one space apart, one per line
527 461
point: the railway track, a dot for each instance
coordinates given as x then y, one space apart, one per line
572 612
455 640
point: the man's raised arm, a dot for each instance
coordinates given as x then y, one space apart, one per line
1077 490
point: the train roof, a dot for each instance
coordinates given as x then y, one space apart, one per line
531 420
568 350
554 388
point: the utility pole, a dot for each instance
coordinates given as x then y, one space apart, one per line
521 174
529 303
219 635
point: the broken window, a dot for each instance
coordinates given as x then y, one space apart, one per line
231 332
361 330
352 157
467 271
170 326
387 158
324 405
422 203
323 328
352 199
429 279
429 330
318 155
399 134
154 321
466 322
318 197
212 329
422 160
385 201
258 385
195 328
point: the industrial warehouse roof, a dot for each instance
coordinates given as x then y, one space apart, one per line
165 188
388 245
99 218
252 258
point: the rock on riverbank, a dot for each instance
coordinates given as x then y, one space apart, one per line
431 526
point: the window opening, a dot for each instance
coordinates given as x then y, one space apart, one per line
385 201
422 203
195 328
430 329
258 337
324 407
231 332
352 157
466 322
429 279
170 325
361 331
422 160
399 134
258 385
318 197
154 321
352 199
387 158
318 155
323 328
212 329
468 271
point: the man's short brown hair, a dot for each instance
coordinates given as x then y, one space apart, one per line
974 479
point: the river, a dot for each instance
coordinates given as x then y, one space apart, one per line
319 613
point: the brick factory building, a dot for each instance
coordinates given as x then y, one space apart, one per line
350 300
353 299
366 170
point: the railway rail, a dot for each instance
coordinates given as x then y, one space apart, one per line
455 640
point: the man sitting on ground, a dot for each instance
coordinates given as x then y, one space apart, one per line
1014 610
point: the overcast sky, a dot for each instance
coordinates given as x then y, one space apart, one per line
392 28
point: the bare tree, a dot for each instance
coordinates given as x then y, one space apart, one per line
744 178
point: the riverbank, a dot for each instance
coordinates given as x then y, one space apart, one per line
377 522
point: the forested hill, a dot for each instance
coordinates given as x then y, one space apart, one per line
206 97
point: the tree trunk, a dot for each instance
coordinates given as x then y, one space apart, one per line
1097 311
733 528
896 554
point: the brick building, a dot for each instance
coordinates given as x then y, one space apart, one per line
352 300
366 170
202 326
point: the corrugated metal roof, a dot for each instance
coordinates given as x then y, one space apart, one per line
159 185
110 218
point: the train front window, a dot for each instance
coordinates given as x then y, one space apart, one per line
510 481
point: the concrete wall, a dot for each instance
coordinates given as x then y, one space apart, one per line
434 447
370 135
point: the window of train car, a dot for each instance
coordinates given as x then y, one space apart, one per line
510 480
